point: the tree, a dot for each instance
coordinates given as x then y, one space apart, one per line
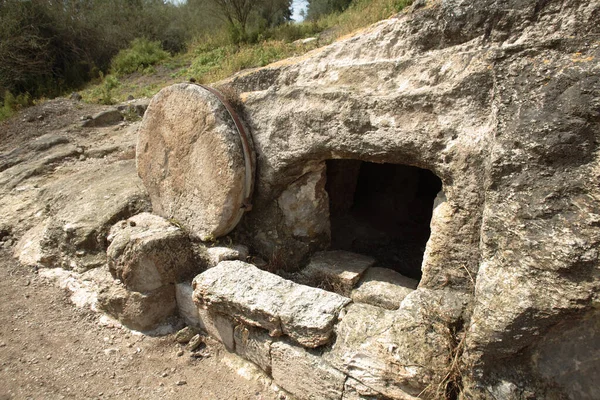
236 12
258 15
316 8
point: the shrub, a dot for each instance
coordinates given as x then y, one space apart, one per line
140 55
109 83
10 104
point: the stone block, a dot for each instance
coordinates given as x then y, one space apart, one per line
104 118
393 352
217 254
383 287
265 300
340 270
139 311
305 375
186 306
218 326
254 344
147 252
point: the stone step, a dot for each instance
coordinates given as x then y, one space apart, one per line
259 298
337 270
383 287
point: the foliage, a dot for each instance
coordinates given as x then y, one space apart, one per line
140 55
319 8
50 47
246 20
10 104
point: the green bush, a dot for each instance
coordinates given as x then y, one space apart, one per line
109 83
11 104
140 55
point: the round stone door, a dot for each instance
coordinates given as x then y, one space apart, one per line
196 160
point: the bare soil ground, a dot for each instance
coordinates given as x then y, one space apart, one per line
50 349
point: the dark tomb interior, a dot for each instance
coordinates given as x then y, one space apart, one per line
382 210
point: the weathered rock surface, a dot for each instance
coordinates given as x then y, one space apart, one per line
339 269
254 344
186 306
354 390
137 106
265 300
147 252
140 311
383 287
104 118
498 99
568 355
219 326
305 375
191 159
218 254
396 353
87 204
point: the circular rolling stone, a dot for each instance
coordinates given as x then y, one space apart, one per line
191 159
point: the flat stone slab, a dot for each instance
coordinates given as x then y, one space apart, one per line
265 300
191 160
104 118
383 287
341 269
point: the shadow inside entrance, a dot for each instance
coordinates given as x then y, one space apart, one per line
382 210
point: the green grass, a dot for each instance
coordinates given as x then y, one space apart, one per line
144 68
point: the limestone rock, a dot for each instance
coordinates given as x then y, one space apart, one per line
339 269
304 204
139 311
104 118
87 204
47 141
500 101
393 352
191 159
138 106
354 390
568 355
254 344
219 327
147 252
185 304
184 335
218 254
37 165
305 375
262 299
383 287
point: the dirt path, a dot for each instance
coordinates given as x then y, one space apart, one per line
51 350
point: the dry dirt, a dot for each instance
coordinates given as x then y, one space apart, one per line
50 349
